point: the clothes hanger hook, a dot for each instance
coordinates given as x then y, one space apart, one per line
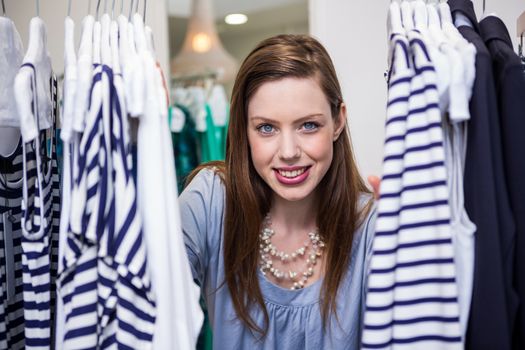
137 6
145 4
113 10
130 10
69 8
37 8
3 7
105 6
121 7
484 6
98 8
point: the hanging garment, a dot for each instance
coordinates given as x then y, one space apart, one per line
78 279
40 215
12 54
84 74
12 323
213 140
65 143
462 228
510 89
486 201
461 55
179 317
412 300
40 227
185 146
105 284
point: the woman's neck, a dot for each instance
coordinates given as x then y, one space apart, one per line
294 217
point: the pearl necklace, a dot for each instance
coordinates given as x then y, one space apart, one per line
268 251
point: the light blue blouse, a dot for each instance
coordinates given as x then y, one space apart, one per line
295 318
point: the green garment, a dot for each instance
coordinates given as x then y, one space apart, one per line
185 148
213 140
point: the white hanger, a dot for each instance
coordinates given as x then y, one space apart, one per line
70 76
407 15
445 13
433 16
140 34
97 32
434 26
395 23
38 56
420 15
125 54
105 49
12 53
136 106
85 71
150 42
114 44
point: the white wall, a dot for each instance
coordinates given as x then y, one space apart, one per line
53 13
354 32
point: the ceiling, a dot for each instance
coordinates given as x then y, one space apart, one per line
182 8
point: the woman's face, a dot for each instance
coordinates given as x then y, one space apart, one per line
291 133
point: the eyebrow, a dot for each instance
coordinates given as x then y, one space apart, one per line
269 120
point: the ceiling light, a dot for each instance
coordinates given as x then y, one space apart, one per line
236 18
202 50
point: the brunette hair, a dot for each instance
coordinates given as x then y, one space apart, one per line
248 197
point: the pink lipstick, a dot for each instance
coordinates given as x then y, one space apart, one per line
296 180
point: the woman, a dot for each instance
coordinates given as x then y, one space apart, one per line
279 235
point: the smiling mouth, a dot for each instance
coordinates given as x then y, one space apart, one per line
293 173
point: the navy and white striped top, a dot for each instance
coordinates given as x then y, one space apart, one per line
12 321
412 295
40 228
105 285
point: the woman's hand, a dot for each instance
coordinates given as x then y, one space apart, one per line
374 181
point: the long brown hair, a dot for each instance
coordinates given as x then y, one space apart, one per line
248 197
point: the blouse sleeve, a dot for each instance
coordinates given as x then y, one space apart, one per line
198 211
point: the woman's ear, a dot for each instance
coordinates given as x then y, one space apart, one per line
340 121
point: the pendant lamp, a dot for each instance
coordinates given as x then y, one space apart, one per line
202 51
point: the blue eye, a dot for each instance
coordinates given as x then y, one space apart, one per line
310 126
265 128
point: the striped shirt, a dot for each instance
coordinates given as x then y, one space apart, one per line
412 295
11 285
104 284
40 228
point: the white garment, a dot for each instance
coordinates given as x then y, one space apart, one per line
85 74
179 317
218 102
37 56
134 70
197 107
178 118
468 54
458 93
12 53
68 108
463 54
70 81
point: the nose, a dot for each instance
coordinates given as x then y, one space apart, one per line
289 147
